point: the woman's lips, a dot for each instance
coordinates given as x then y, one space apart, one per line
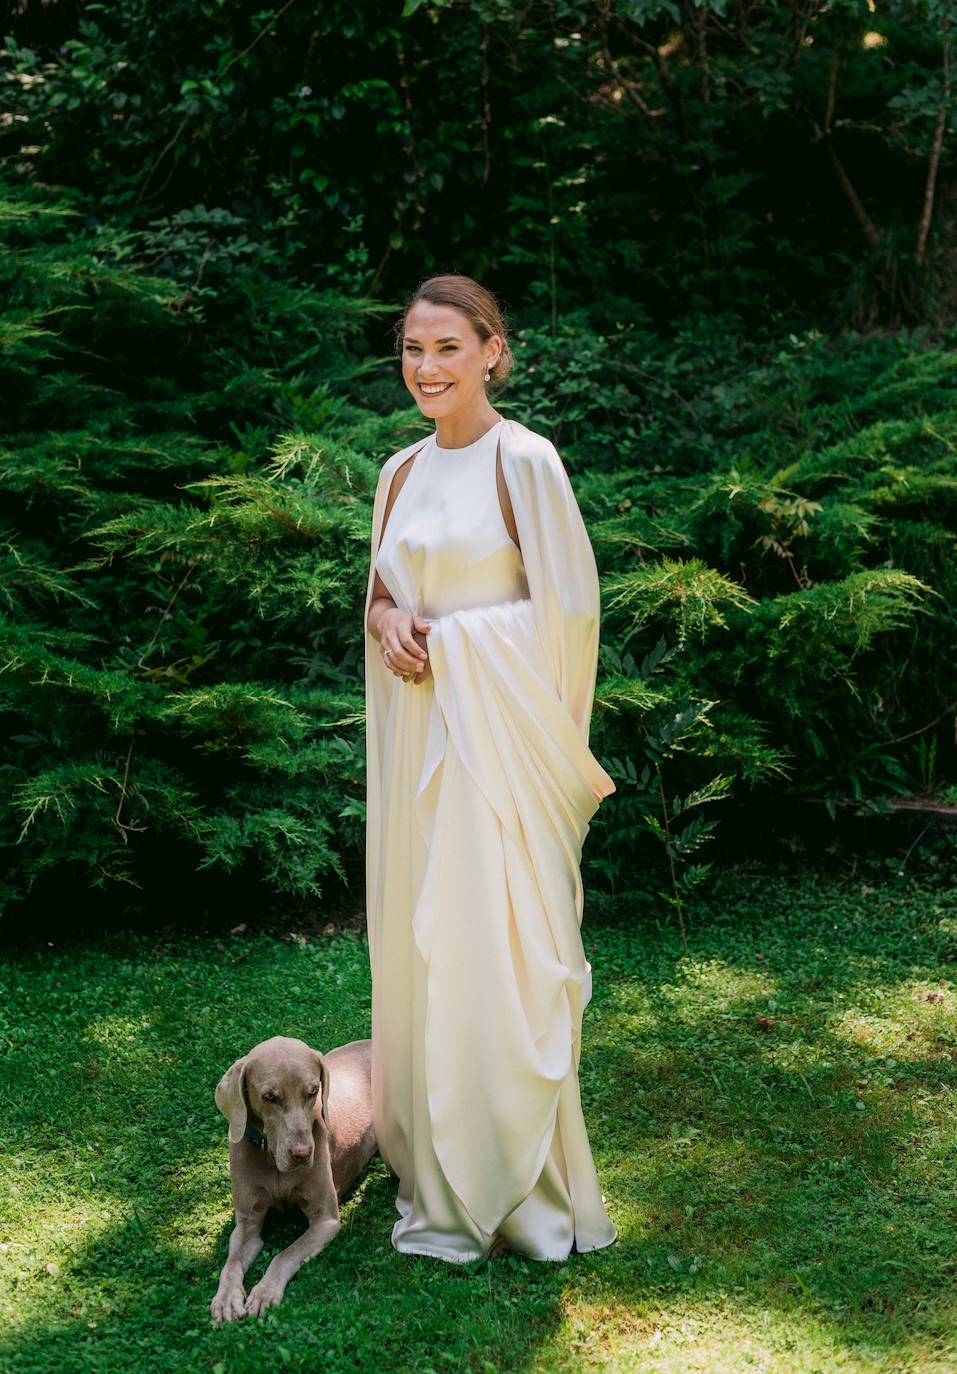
430 389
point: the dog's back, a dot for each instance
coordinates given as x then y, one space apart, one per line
350 1111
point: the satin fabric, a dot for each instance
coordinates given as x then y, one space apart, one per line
481 787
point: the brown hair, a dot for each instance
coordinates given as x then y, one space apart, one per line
479 307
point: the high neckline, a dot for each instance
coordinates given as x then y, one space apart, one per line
476 443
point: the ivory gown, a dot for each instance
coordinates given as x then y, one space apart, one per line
481 786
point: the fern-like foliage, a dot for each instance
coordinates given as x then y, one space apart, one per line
179 615
186 480
689 595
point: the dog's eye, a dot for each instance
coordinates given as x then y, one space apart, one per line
270 1097
311 1093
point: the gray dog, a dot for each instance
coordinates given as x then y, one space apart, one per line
300 1133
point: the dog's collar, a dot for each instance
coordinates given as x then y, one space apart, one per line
250 1133
255 1138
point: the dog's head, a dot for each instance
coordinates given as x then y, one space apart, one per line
283 1085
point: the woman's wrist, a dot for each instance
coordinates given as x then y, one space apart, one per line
379 608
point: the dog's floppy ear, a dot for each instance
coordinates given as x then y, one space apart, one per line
324 1079
231 1098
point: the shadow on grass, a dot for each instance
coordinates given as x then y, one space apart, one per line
358 1306
119 1180
795 1169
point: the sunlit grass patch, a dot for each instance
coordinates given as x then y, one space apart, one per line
45 1243
720 1334
772 1115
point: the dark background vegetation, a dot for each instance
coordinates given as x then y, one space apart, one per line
725 234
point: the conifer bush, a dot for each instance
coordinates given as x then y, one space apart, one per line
177 625
806 602
185 502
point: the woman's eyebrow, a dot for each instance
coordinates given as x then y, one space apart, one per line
451 338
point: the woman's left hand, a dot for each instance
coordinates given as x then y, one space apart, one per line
403 644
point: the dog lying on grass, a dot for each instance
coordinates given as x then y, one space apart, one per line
300 1133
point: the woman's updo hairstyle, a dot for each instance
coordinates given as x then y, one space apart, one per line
479 307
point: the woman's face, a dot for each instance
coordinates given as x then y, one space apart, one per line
444 360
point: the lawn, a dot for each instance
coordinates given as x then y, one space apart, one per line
772 1114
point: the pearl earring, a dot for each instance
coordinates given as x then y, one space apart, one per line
488 372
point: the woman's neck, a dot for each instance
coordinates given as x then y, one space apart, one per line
458 431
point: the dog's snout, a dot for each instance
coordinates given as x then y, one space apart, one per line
300 1151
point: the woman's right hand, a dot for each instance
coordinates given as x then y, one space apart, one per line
402 643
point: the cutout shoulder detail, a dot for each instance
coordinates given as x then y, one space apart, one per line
504 499
399 479
378 589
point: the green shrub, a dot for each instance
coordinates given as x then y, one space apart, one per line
178 627
185 501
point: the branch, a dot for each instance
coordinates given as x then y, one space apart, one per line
934 163
187 117
668 85
679 906
123 826
869 229
831 95
802 22
410 147
629 87
260 35
141 661
486 106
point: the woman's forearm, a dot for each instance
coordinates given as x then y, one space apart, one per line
378 607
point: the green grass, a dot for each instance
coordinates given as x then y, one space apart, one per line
784 1188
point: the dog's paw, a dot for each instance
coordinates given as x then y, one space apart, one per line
266 1294
227 1307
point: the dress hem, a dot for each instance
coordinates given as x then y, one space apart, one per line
433 1252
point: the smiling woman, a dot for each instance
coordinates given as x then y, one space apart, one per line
451 352
482 621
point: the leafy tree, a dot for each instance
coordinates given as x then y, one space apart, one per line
673 154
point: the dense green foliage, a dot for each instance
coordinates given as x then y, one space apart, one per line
206 211
178 638
677 154
772 1118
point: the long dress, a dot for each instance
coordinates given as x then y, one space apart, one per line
481 786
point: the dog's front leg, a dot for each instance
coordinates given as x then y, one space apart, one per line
272 1285
245 1244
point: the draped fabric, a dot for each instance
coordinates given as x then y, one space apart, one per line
481 787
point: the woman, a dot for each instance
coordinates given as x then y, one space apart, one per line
482 624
